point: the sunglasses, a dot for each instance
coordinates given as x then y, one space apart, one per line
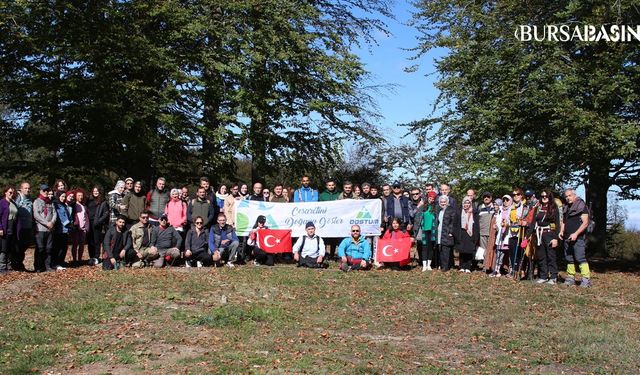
266 192
415 194
355 231
199 223
144 217
544 196
518 194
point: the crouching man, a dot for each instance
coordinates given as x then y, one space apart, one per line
309 249
168 242
354 251
143 241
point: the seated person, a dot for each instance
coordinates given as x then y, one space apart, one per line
309 249
354 251
196 247
168 242
260 257
143 241
115 245
223 242
395 231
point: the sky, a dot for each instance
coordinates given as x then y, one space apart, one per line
411 96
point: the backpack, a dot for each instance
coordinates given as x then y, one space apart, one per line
304 238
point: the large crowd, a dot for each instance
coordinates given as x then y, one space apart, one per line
502 236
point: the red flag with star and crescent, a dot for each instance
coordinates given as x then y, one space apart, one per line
275 241
393 250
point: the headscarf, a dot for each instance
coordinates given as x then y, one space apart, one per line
120 183
467 217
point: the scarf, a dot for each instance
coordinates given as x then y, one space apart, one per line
577 207
47 201
467 221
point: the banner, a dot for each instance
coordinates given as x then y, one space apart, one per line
274 241
332 219
396 250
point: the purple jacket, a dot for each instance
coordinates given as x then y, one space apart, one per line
4 218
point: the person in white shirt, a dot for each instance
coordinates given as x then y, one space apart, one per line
309 249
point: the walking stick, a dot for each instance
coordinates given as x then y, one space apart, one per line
515 257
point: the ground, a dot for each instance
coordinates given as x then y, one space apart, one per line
289 320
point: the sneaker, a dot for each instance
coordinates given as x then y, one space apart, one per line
138 264
467 271
494 274
187 263
586 283
60 268
255 263
345 267
569 281
424 268
230 265
199 264
429 268
542 281
551 281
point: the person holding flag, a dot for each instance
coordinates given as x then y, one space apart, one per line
260 257
354 251
309 251
395 232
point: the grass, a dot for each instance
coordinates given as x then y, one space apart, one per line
292 320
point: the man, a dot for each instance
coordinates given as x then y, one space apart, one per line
471 194
157 200
257 193
374 193
486 220
229 204
305 193
445 190
45 217
143 241
223 242
168 243
330 192
386 192
201 206
308 251
209 190
134 202
573 231
25 217
427 188
128 185
115 244
277 195
347 191
354 251
184 194
398 206
415 202
366 191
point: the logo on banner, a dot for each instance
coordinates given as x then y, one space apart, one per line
396 250
364 217
275 240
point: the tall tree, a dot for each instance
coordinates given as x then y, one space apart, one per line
557 113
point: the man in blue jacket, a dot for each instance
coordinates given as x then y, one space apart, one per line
354 251
305 193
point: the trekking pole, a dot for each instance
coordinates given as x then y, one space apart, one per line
515 257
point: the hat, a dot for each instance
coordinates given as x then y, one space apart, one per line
309 225
262 219
487 194
164 217
44 187
396 184
529 193
432 194
128 179
498 201
507 196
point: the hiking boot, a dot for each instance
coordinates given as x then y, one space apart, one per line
586 283
542 281
345 267
551 282
138 264
569 281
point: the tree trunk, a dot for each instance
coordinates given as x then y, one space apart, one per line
596 190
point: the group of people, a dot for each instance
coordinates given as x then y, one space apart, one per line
128 226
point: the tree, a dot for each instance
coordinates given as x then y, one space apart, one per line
552 113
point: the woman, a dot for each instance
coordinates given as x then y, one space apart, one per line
469 227
260 257
64 224
196 245
546 227
8 227
395 231
244 191
134 203
81 224
502 239
489 261
426 229
116 205
98 211
288 192
446 232
176 211
59 185
221 195
357 192
517 226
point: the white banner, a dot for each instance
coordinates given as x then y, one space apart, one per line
332 219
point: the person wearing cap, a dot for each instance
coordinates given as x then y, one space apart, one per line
168 243
128 185
398 206
502 235
309 249
486 218
426 228
354 251
45 217
305 193
143 241
223 242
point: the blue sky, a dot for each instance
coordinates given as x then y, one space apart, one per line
413 94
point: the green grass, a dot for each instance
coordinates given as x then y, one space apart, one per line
294 320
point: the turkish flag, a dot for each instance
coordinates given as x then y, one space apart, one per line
275 240
394 250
